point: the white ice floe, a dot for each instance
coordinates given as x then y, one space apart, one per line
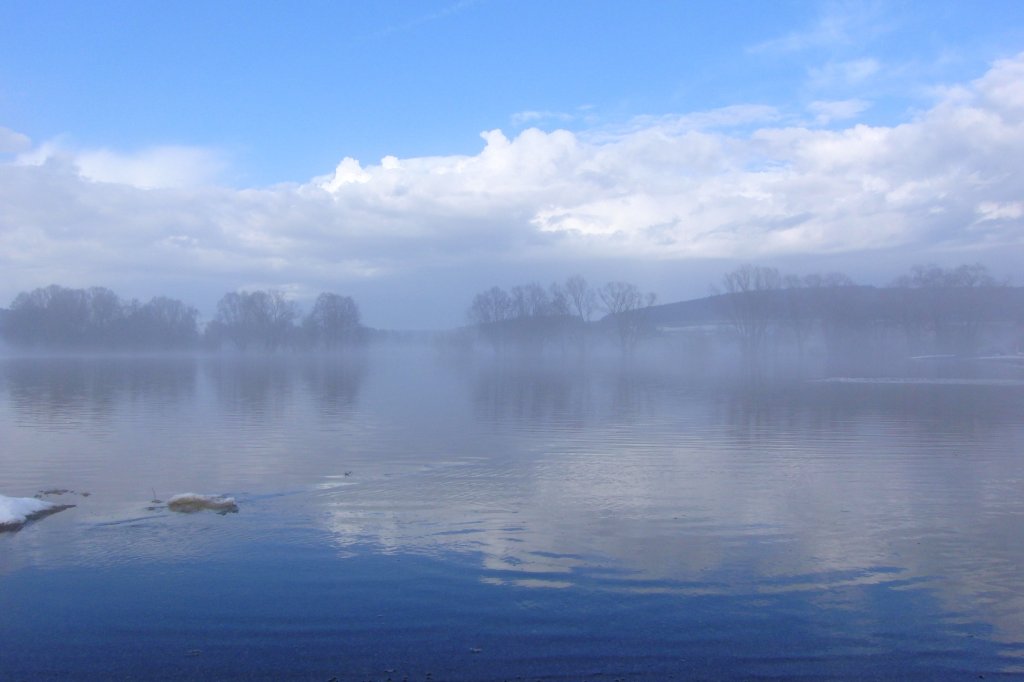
15 511
192 502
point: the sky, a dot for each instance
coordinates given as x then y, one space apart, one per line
411 154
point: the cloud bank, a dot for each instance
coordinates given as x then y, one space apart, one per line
745 182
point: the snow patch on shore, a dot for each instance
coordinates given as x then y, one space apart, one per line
188 503
16 511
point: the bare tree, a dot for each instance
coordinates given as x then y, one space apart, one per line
488 307
949 305
624 303
162 323
582 298
558 301
809 301
749 290
528 316
488 311
333 321
256 318
50 316
529 300
106 314
56 316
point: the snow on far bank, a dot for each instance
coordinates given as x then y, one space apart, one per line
16 511
919 381
192 502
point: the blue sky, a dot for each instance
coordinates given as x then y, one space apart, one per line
287 89
201 110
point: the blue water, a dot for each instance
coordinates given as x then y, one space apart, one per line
406 518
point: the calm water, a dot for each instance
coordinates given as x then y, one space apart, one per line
408 519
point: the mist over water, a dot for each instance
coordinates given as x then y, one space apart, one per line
405 512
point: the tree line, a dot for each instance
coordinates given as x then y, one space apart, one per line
96 318
757 309
931 309
529 317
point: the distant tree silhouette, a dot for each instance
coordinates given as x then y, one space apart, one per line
946 306
256 319
333 322
162 323
751 305
51 316
527 317
811 302
582 299
488 311
96 319
531 317
624 303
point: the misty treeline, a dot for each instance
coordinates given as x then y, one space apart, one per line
930 310
57 317
530 317
758 311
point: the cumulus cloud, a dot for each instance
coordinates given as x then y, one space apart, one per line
742 182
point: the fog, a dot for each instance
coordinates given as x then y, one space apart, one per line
757 321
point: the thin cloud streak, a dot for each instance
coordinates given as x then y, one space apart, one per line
416 22
840 24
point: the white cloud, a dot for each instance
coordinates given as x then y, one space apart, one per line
524 118
1001 89
991 210
844 73
733 183
349 171
735 116
826 112
840 24
154 167
12 142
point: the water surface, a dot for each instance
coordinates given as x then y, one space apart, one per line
408 518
